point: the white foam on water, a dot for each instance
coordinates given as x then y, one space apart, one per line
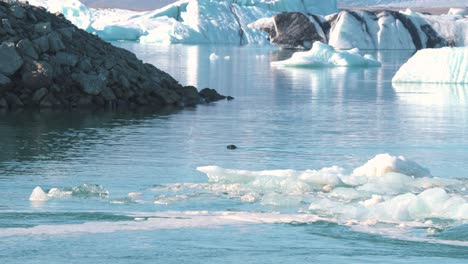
165 220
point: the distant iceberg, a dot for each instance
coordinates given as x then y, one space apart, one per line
381 30
323 55
445 65
185 21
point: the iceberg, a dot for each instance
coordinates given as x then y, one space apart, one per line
366 30
38 195
385 163
73 10
445 65
185 21
323 55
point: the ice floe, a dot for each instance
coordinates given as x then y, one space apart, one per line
323 55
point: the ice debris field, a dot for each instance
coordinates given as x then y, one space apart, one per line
387 194
323 55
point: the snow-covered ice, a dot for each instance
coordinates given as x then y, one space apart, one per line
445 65
323 55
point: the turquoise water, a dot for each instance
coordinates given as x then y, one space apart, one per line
130 190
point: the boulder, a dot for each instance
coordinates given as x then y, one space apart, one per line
39 94
211 95
7 26
67 32
13 100
170 97
92 84
10 60
65 58
190 96
37 74
3 103
42 43
18 11
43 28
26 47
4 81
55 43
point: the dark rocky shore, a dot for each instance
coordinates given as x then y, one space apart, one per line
47 62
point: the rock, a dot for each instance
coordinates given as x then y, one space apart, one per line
43 28
65 58
211 95
45 61
4 81
25 47
13 100
229 98
39 94
18 11
232 147
67 32
37 74
10 60
190 96
3 103
108 94
55 43
170 97
49 101
42 43
84 65
91 84
7 26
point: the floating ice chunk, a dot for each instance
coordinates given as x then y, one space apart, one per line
290 181
384 163
431 203
134 194
323 55
38 195
213 57
372 201
58 193
227 57
444 65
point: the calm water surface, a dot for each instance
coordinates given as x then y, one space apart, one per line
282 118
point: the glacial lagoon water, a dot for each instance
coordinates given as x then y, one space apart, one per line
129 190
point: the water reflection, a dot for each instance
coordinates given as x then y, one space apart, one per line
29 135
432 93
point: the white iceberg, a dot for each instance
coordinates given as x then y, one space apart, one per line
185 21
323 55
38 195
385 163
73 10
445 65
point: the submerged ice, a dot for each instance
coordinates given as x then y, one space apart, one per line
323 55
